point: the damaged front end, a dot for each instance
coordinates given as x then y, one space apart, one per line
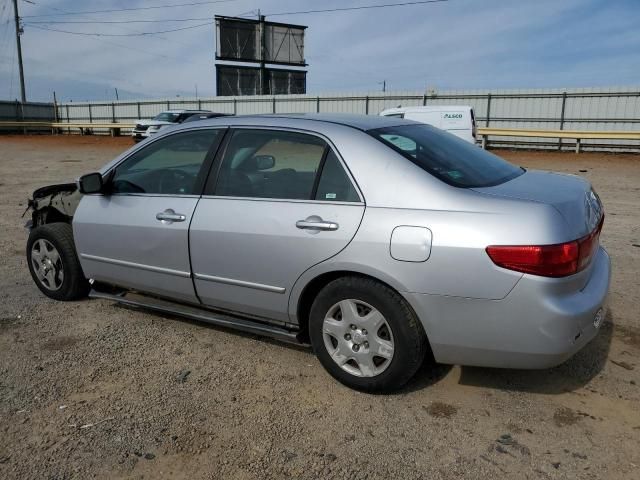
53 203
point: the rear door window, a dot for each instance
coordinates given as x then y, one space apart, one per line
270 164
452 160
334 184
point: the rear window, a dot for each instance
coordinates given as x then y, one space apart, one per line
447 157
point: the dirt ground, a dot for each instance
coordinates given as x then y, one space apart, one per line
94 390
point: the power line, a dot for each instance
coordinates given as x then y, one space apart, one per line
5 18
51 22
105 41
6 45
199 19
141 34
250 12
131 9
126 47
362 7
13 72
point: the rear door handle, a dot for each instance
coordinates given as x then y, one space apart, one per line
170 216
316 225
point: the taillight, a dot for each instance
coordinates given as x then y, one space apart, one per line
588 246
558 260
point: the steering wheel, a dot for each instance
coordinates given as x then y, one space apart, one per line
174 181
125 186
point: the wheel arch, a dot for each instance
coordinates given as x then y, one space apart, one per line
46 215
74 285
54 204
305 293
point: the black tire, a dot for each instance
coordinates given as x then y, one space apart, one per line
60 235
409 340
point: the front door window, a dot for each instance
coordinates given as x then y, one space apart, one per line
169 166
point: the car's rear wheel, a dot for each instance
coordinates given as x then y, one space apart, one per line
366 335
53 262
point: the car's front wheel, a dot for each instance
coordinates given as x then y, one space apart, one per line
366 335
53 262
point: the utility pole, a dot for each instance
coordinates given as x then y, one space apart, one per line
55 106
19 46
263 70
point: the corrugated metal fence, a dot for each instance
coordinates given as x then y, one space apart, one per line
16 111
570 109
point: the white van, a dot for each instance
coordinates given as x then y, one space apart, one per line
459 120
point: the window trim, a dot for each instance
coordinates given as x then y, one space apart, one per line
203 173
281 200
316 180
209 190
375 133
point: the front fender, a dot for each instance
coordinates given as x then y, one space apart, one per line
53 203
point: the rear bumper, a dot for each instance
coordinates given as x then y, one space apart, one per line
538 325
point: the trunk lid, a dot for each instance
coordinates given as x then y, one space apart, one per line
571 195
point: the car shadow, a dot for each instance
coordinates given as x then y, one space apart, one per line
428 374
573 374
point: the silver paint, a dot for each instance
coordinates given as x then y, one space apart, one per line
472 311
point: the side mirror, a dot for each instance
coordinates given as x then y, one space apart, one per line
91 183
264 162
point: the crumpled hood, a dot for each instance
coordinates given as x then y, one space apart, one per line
571 195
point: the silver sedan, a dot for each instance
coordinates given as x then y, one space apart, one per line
375 239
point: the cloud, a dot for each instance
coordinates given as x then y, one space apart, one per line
457 44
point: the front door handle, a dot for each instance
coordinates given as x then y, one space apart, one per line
169 216
312 224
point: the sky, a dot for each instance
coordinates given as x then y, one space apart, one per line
458 44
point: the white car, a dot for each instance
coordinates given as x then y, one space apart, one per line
459 120
146 128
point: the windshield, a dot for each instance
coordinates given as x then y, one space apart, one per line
167 117
447 157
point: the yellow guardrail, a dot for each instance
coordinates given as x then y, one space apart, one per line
578 135
484 132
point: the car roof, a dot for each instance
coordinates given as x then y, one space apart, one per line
185 111
204 115
360 122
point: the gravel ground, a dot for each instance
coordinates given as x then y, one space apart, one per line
95 390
